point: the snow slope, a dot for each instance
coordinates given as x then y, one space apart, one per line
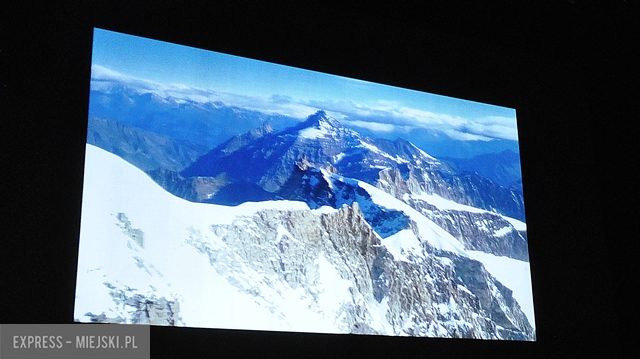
444 204
168 266
513 274
118 196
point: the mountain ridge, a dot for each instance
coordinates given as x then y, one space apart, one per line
268 161
315 162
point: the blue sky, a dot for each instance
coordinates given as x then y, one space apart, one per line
197 74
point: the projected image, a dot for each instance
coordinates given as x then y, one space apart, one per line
225 192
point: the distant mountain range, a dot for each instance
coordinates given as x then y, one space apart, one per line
441 145
502 168
264 164
202 124
147 150
213 122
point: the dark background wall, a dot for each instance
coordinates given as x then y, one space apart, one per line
567 66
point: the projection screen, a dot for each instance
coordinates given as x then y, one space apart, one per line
231 193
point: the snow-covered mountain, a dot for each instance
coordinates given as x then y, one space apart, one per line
266 162
320 139
263 164
292 164
147 256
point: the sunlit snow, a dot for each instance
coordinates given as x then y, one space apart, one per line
404 240
170 266
434 234
375 149
312 133
447 204
514 274
175 269
502 232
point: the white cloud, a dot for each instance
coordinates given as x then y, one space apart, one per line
104 79
382 116
390 116
373 126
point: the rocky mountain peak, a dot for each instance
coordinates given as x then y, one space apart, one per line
266 128
321 120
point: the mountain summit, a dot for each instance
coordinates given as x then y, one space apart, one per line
320 120
322 128
268 160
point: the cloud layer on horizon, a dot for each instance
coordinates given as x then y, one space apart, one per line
380 117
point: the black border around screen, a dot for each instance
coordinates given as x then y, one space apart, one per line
556 153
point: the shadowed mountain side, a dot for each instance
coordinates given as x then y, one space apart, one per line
144 149
204 123
319 162
265 158
502 168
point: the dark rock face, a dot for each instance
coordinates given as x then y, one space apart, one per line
311 186
471 190
194 189
482 231
267 160
308 184
136 234
142 309
482 193
177 185
495 299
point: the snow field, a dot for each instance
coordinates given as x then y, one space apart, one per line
168 266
